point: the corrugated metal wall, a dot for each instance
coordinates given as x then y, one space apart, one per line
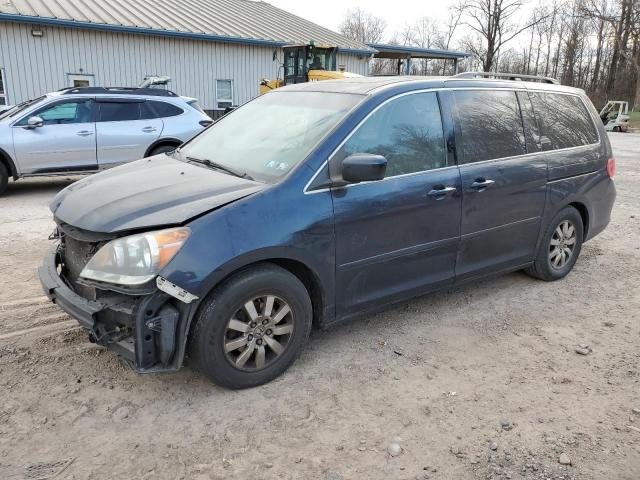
36 65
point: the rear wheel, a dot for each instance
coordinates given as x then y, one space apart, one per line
251 328
616 129
560 246
162 149
4 178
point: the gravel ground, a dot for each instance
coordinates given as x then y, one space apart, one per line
481 382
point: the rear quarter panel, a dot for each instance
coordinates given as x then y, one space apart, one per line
578 176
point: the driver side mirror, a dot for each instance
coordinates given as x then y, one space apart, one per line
34 122
363 167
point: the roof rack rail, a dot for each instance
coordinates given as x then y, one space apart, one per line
508 76
155 92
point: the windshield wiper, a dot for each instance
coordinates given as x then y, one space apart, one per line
218 166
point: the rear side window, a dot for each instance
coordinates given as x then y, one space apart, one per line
407 131
489 124
564 121
118 111
155 109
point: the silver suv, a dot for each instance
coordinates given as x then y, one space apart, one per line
84 130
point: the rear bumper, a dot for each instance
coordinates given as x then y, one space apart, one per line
144 330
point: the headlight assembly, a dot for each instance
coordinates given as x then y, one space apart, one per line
136 259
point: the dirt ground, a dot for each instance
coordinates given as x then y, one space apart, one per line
478 382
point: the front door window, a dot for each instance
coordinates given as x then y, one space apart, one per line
73 111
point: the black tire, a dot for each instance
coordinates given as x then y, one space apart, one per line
162 149
543 266
210 330
617 129
4 178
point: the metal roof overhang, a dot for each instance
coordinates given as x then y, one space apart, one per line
402 52
161 33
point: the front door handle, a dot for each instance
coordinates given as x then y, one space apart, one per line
84 133
481 184
148 129
440 192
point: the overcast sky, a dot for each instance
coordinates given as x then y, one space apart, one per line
397 13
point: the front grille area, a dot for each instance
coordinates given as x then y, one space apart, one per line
74 256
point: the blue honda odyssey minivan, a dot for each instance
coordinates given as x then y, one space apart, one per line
322 201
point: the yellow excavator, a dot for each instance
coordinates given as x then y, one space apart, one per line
306 63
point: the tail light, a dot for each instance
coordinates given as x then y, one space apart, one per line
611 167
206 123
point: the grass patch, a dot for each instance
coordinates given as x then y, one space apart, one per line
634 119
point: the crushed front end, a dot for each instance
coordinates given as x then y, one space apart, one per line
145 325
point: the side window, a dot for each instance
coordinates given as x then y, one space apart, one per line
290 63
118 111
407 131
490 124
224 93
64 113
156 109
531 126
563 120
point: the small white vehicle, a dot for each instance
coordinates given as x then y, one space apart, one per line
615 116
84 130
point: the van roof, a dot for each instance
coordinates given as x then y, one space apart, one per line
371 85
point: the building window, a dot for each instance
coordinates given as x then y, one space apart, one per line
3 89
224 93
77 80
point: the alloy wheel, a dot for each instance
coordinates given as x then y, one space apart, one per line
258 333
562 245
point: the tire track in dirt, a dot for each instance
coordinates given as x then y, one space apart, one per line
44 329
26 313
22 302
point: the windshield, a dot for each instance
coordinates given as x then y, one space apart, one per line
12 112
267 137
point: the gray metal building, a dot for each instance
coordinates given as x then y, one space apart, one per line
214 50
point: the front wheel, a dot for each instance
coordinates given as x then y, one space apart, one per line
560 246
252 328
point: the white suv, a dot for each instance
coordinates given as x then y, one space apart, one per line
84 130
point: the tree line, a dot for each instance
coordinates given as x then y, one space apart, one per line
590 44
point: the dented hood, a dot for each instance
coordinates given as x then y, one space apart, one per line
153 192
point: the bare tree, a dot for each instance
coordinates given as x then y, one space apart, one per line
362 26
600 35
492 20
625 24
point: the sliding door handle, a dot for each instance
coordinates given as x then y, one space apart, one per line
441 192
481 184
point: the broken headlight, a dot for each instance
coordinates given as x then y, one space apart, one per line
136 259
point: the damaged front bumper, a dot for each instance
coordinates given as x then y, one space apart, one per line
148 331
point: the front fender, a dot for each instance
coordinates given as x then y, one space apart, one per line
263 227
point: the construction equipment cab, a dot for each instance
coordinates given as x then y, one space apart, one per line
306 63
615 116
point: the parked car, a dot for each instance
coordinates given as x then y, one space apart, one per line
320 202
84 130
4 108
